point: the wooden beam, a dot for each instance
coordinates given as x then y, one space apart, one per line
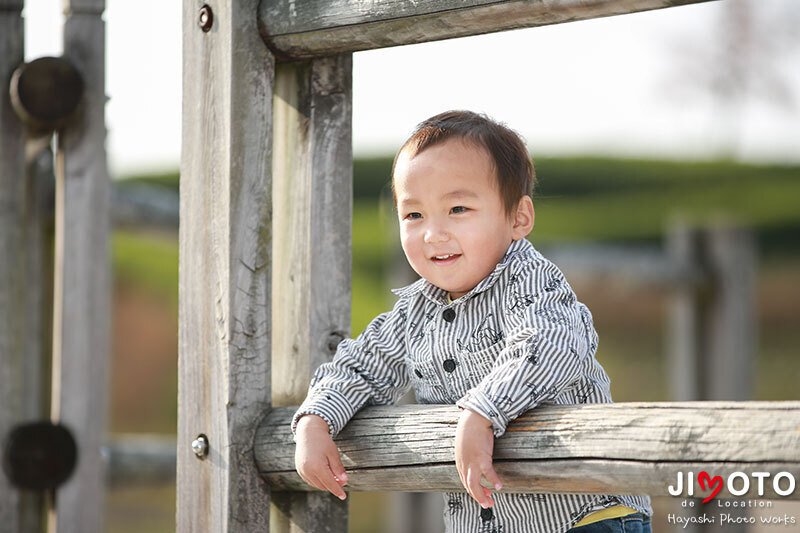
712 325
625 447
23 303
225 267
322 27
312 243
82 295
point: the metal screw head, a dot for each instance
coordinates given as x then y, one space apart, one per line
200 446
206 19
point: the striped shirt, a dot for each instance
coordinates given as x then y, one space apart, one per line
518 339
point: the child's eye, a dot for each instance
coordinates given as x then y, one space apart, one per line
413 216
458 209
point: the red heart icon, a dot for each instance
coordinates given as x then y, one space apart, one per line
707 481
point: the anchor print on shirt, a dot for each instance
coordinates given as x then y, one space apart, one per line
454 504
483 336
417 331
518 301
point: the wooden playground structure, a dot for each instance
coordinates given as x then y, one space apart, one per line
265 249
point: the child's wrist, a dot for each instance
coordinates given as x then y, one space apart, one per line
310 420
475 417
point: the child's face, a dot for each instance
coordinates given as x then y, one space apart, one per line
453 225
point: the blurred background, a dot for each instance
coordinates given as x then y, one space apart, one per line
634 122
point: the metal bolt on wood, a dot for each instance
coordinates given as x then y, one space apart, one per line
200 446
206 19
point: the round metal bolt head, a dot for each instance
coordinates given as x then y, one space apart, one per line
200 446
206 19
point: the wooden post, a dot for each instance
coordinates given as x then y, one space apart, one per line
81 322
686 374
712 331
731 322
312 249
22 301
225 267
712 323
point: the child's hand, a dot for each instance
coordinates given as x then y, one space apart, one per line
474 445
316 457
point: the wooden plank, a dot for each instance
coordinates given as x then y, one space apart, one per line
730 325
322 27
225 268
21 285
627 447
313 217
683 247
712 325
82 296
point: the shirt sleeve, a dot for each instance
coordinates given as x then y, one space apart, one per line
367 370
548 336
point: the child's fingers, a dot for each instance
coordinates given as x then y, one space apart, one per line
337 468
475 489
326 481
492 477
487 494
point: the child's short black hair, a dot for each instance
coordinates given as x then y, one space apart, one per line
515 172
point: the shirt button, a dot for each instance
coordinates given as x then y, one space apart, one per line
487 514
449 365
449 314
418 373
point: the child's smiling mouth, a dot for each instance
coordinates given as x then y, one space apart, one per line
445 259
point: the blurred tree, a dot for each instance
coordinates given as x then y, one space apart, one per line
747 57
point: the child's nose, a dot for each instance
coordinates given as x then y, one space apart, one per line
436 233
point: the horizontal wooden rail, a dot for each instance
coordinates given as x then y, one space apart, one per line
611 448
141 460
314 28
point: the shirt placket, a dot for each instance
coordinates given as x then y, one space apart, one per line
444 348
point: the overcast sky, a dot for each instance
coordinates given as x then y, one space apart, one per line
624 85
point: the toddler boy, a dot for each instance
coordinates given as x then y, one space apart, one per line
491 326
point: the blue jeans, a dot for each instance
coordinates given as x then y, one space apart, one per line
633 523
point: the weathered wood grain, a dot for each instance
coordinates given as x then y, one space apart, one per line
312 221
225 268
22 305
82 296
312 28
628 447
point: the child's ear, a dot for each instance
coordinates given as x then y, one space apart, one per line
523 218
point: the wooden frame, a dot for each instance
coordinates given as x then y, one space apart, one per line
314 28
261 137
256 124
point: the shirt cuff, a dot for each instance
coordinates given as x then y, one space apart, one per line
476 400
328 404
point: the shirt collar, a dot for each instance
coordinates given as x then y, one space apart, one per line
437 295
